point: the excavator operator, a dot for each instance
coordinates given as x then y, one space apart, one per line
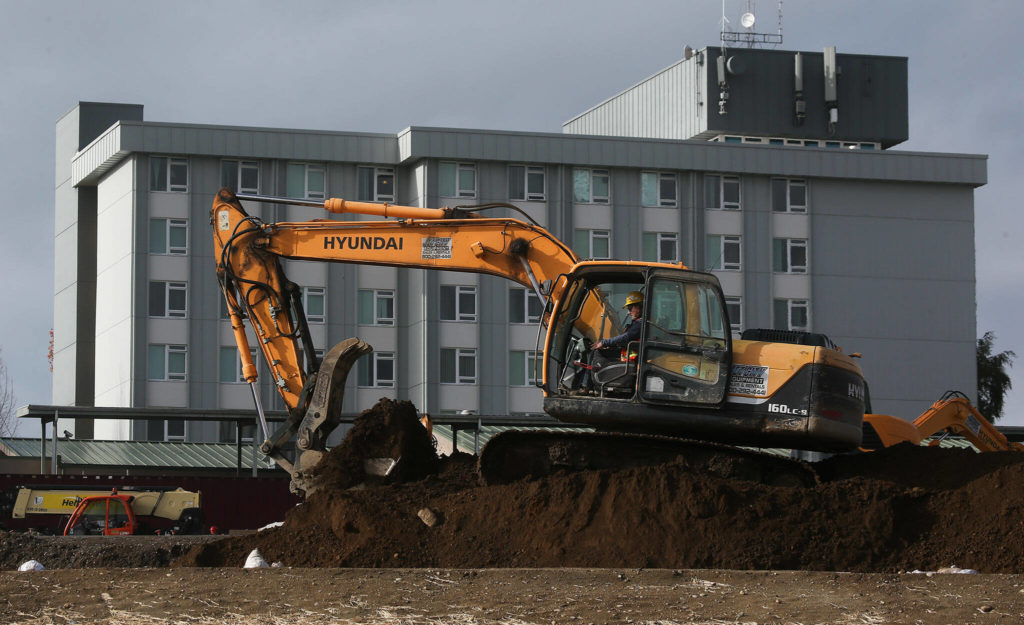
635 306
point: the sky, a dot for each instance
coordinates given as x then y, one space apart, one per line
381 66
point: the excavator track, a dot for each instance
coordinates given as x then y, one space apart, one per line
521 454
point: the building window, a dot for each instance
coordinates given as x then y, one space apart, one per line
376 307
377 370
229 432
723 252
590 186
722 192
792 314
522 368
592 243
458 365
309 366
457 179
168 173
734 306
375 184
789 195
524 306
240 176
306 181
661 247
314 302
231 365
167 362
458 303
657 189
175 430
168 236
168 299
526 182
789 255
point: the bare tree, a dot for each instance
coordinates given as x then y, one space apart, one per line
6 400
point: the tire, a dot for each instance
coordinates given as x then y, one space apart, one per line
191 521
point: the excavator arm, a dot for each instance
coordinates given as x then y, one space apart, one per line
954 414
248 252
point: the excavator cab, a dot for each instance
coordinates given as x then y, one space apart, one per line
682 356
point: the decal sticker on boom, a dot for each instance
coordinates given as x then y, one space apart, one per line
437 248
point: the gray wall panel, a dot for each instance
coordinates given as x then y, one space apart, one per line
203 288
492 357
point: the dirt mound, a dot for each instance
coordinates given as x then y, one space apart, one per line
903 508
390 429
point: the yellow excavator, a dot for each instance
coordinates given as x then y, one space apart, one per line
681 387
953 414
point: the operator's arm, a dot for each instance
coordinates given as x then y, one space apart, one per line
632 333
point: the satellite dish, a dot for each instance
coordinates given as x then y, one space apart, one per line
747 20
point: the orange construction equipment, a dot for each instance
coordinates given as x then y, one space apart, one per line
690 378
952 414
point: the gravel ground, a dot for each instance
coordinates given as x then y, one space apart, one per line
506 596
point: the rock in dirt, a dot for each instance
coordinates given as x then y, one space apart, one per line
429 517
902 508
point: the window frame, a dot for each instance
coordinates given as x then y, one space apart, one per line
736 326
169 225
529 372
524 310
239 166
460 377
168 376
168 287
238 378
307 291
791 305
723 241
458 291
720 185
376 173
166 171
789 206
524 194
458 167
659 178
370 367
593 174
592 236
171 438
787 256
307 168
377 296
660 238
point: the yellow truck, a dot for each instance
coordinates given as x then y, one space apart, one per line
180 506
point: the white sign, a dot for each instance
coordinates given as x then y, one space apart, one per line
748 380
437 248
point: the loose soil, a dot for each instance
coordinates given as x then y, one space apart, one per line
903 508
878 516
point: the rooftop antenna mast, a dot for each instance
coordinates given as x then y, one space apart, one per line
748 36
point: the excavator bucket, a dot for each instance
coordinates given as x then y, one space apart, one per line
322 414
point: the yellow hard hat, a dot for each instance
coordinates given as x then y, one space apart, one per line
633 297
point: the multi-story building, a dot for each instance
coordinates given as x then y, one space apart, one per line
790 196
